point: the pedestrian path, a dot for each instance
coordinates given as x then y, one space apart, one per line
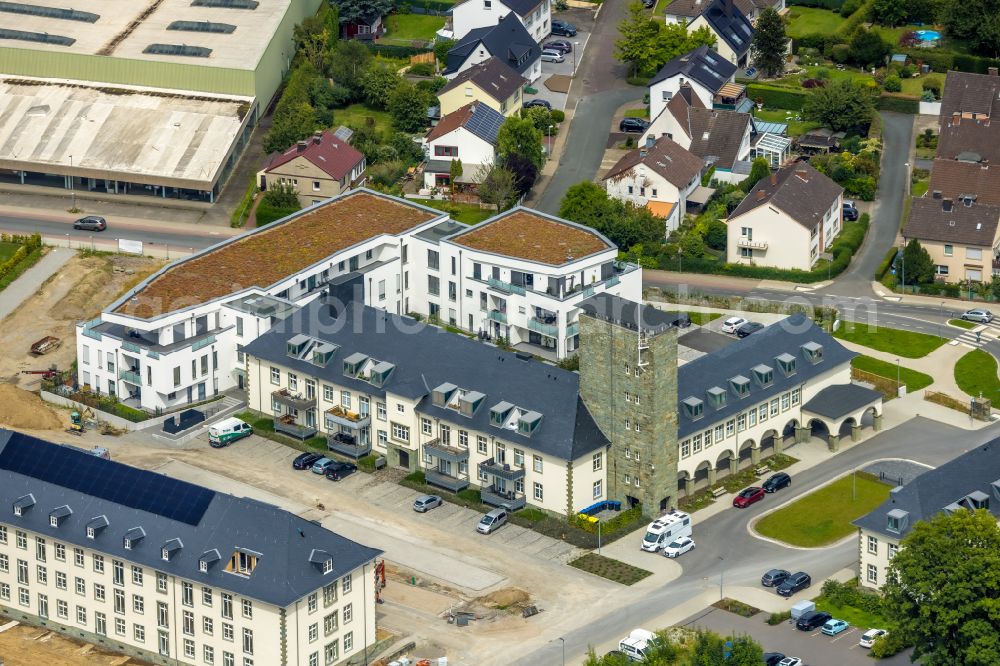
975 338
28 283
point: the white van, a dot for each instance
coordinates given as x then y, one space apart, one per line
227 431
636 643
665 529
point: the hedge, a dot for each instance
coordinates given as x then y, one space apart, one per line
443 6
835 5
396 51
28 245
898 103
266 213
942 61
777 97
886 264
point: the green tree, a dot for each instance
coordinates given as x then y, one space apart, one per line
295 122
379 82
710 649
354 10
716 236
916 266
348 63
441 48
673 39
844 104
455 172
889 12
588 204
892 83
941 591
867 49
496 186
637 46
769 43
408 107
519 136
760 169
540 117
282 195
976 21
524 170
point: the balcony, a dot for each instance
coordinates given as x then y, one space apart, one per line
496 315
284 397
508 499
505 287
743 241
131 376
347 445
204 342
446 481
502 471
340 416
453 454
288 425
573 329
539 326
130 347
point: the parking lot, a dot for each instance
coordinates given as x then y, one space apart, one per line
812 647
565 68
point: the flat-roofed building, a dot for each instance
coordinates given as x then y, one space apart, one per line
171 572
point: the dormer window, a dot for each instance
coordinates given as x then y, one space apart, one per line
978 500
896 520
740 386
23 503
693 407
322 354
528 423
328 566
170 548
296 345
380 373
470 402
207 559
95 526
716 397
443 393
499 412
242 562
53 521
133 537
763 374
996 488
787 364
353 363
202 566
813 352
59 514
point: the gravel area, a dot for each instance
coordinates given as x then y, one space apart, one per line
896 472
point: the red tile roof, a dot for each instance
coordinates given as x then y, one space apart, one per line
335 157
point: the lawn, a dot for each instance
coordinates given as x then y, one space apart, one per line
796 126
907 344
913 379
410 27
961 323
976 373
358 115
699 318
637 113
462 212
856 617
915 85
806 20
605 567
919 188
824 516
7 251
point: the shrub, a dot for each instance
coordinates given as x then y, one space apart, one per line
813 40
850 7
558 115
886 263
934 85
813 83
266 213
898 103
367 463
833 5
888 645
840 53
416 477
891 83
422 69
778 618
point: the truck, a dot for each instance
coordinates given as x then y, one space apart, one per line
665 529
227 431
637 643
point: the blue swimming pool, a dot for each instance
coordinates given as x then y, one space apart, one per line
928 35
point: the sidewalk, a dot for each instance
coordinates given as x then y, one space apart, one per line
939 364
27 284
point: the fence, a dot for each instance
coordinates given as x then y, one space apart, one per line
889 388
422 57
946 400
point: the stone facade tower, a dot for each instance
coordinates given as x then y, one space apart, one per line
628 380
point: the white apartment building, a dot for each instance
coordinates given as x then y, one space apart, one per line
170 572
172 340
465 413
535 16
969 482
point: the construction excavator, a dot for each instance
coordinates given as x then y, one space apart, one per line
77 421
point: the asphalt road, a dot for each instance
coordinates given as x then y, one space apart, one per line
726 546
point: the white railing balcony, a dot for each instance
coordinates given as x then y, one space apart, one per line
756 245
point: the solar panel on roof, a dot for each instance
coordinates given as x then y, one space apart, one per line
485 123
49 12
202 26
178 49
128 486
43 37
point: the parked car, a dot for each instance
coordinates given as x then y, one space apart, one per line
869 637
748 496
633 125
91 223
491 521
551 55
812 620
648 4
978 315
834 627
773 658
678 546
560 45
683 320
790 661
563 29
538 102
321 465
776 482
733 323
850 211
751 72
425 503
748 328
305 460
227 431
774 577
799 580
339 470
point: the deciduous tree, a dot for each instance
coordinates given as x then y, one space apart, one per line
759 170
867 49
842 105
769 43
637 45
518 136
916 266
976 21
496 186
378 82
408 107
354 10
282 195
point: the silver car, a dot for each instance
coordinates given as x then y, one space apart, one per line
980 315
551 55
425 503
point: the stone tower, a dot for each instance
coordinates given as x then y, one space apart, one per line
628 380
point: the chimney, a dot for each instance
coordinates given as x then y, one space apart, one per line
642 151
956 118
317 137
936 194
761 194
774 179
992 71
946 205
301 146
650 141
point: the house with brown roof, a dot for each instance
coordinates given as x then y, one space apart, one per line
468 135
959 234
951 179
491 82
787 220
970 118
659 175
320 167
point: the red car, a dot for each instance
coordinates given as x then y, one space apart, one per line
748 496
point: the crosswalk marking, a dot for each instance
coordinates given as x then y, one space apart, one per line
980 335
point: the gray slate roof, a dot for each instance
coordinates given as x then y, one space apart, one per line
629 314
977 471
930 221
694 379
493 76
508 40
798 190
521 7
731 25
285 541
717 133
702 65
841 400
426 357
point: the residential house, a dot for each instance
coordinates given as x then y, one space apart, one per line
468 135
686 11
170 572
732 28
969 132
951 179
534 15
970 482
702 69
365 28
787 220
659 175
491 82
959 234
507 40
321 167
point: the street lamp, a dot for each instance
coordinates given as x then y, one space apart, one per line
942 318
897 377
576 45
563 641
549 155
72 188
722 577
680 260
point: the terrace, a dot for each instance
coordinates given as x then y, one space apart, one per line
348 444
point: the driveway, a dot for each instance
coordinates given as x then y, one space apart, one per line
563 70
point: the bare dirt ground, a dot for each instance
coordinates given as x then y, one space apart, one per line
22 409
76 293
24 645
